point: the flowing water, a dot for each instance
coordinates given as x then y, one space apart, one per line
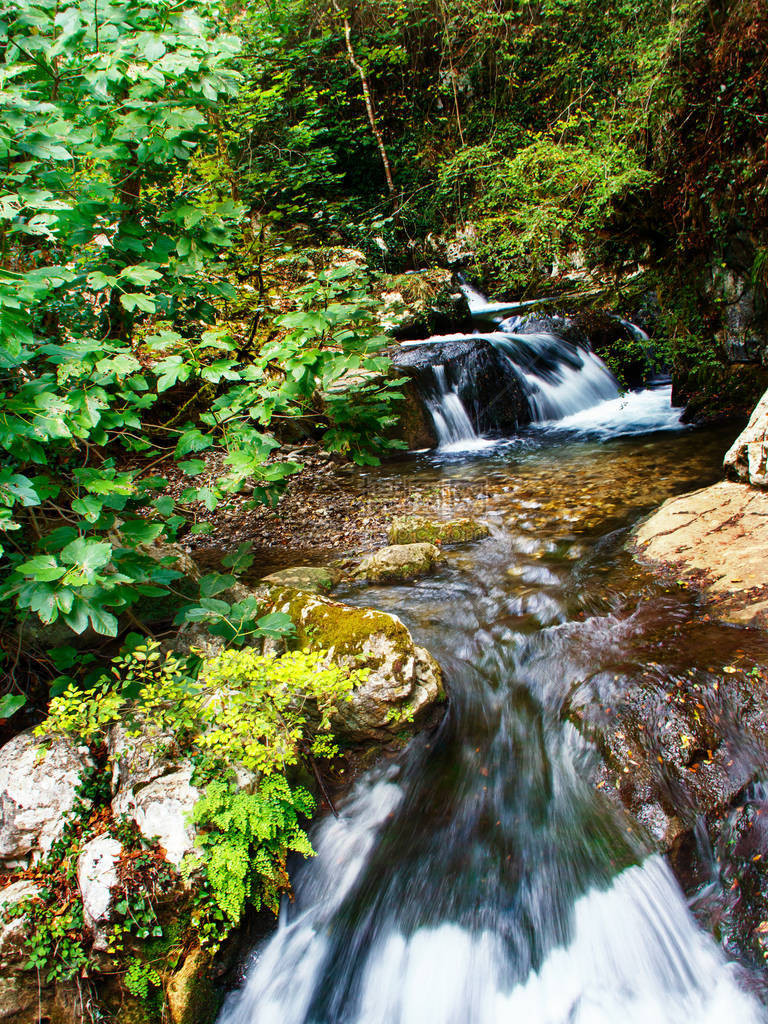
479 877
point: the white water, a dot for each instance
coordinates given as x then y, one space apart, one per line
637 412
454 428
557 388
636 956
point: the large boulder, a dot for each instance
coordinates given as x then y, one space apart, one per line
492 392
404 683
39 780
398 562
747 458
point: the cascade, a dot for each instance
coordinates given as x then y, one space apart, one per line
451 420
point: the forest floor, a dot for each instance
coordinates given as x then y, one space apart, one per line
330 509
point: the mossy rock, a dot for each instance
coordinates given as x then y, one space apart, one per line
419 529
190 994
404 681
304 577
398 563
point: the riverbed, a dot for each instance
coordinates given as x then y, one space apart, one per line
482 875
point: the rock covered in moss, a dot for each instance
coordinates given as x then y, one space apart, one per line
398 562
311 578
419 529
747 458
190 994
404 683
39 781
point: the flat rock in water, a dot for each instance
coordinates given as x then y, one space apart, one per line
399 562
718 538
303 577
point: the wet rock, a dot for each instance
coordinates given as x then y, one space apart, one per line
39 780
160 808
190 994
303 577
399 562
718 538
405 682
484 379
747 458
418 529
96 875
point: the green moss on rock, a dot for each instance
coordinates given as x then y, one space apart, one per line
419 529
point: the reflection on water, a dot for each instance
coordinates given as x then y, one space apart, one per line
482 878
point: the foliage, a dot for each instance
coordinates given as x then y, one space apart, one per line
114 224
140 978
245 713
244 841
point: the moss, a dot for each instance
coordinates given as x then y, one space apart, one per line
416 529
192 997
328 624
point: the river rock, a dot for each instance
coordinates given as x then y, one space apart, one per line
398 562
303 577
418 529
161 810
96 876
716 537
404 683
38 788
747 458
138 759
482 376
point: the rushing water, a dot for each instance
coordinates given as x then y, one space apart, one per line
479 877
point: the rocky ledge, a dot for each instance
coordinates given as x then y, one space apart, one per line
717 537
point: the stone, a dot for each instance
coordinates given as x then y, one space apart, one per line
717 538
161 809
96 877
39 780
482 376
404 683
747 458
303 577
418 529
138 760
399 562
190 994
12 948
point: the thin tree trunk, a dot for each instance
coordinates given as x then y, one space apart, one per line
368 100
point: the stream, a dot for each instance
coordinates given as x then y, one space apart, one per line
480 876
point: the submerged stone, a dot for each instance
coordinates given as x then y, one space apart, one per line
398 562
311 578
419 529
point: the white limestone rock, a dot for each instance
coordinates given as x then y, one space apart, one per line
38 787
96 877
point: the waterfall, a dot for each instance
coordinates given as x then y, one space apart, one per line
451 420
561 378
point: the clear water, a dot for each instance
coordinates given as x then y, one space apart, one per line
479 877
